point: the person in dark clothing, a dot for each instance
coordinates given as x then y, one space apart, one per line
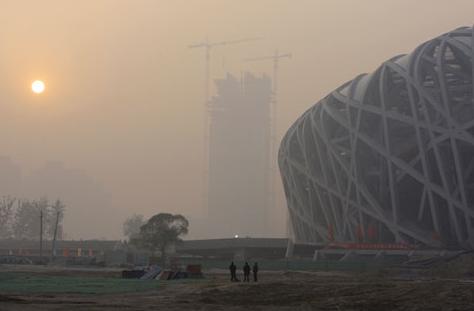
255 271
246 272
233 269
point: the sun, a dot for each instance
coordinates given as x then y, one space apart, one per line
38 87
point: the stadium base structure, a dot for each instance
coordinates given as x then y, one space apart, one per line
389 156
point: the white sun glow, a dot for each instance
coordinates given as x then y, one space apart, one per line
38 87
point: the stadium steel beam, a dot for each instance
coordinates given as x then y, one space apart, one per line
392 150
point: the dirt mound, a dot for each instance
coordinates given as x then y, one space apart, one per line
5 298
458 266
277 291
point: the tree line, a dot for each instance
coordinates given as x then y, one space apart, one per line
21 218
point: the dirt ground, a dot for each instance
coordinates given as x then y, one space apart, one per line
275 291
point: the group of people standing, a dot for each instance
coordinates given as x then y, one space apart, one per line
246 269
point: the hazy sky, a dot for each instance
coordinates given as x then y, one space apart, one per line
124 93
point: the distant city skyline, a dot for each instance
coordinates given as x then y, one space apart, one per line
77 190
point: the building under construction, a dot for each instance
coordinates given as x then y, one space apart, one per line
239 153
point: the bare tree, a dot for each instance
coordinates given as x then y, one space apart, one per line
56 217
26 225
27 218
6 216
57 210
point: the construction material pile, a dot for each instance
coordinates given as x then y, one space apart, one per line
15 260
157 273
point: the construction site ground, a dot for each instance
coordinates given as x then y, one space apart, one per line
54 288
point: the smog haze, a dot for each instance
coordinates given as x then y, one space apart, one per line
119 128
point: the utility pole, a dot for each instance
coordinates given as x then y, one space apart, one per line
41 234
53 250
275 58
207 46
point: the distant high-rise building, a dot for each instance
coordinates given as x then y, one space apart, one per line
239 153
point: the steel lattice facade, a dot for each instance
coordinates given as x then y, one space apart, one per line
389 156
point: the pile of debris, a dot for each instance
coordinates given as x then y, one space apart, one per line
15 260
156 273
